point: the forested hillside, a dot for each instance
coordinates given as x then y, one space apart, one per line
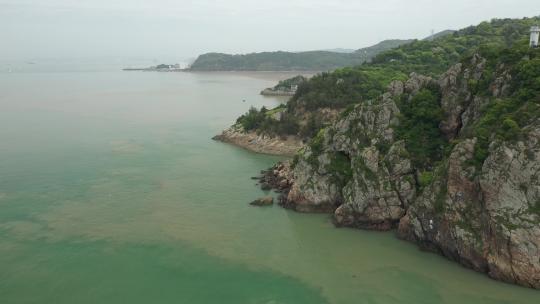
331 92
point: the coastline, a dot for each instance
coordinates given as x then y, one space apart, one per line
263 144
271 92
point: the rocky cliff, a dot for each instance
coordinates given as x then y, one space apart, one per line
475 198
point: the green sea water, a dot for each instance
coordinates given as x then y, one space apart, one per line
111 191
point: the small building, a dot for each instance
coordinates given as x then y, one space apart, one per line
535 35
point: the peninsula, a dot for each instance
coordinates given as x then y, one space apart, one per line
291 61
438 140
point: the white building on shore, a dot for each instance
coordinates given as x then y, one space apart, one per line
535 34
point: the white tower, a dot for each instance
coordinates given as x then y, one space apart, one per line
535 34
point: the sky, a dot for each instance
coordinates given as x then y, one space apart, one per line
183 29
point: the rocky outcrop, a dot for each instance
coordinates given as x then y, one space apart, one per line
456 95
483 212
510 187
381 190
356 170
260 143
314 189
279 178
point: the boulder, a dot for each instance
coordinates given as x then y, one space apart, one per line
264 201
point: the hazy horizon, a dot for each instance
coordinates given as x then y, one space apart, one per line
172 30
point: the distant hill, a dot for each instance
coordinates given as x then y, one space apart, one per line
385 45
341 50
289 61
440 34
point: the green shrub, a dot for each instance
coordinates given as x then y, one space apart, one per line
316 146
340 168
252 119
510 129
313 125
263 123
480 154
440 199
535 208
425 179
419 127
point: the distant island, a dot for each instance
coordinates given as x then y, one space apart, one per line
158 68
313 61
291 61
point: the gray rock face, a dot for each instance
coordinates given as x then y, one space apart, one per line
510 187
485 216
381 190
416 82
447 215
501 85
379 186
456 95
485 220
313 190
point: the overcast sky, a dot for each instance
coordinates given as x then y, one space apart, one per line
180 28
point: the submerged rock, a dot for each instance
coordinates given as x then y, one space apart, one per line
265 201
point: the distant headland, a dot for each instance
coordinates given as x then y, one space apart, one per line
158 68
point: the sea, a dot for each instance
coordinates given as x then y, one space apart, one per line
112 191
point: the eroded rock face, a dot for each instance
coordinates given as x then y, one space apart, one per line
381 190
510 186
485 219
416 82
447 215
451 100
315 194
314 189
380 184
457 96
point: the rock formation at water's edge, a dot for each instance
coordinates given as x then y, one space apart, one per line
477 204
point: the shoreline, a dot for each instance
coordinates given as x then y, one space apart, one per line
263 144
270 92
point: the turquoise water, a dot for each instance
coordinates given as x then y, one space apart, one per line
111 191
